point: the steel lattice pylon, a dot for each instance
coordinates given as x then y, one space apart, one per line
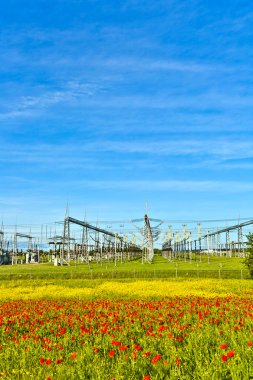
148 239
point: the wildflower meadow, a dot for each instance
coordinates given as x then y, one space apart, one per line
187 336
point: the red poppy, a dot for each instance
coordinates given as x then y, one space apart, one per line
156 359
123 348
224 358
73 355
42 360
115 343
223 346
111 353
230 354
48 361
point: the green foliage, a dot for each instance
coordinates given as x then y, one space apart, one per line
249 254
158 252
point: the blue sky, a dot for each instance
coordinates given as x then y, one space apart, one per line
108 105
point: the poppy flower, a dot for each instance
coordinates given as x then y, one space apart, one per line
123 348
116 343
156 359
48 362
111 353
230 354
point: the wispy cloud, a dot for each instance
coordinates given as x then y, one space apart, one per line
88 153
150 185
139 64
89 97
170 185
29 105
143 97
172 147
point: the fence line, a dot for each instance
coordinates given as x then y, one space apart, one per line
155 274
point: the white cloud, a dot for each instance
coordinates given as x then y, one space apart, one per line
184 186
28 105
140 64
88 152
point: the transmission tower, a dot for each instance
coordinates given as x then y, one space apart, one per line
1 242
148 239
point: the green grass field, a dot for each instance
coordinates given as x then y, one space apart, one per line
216 267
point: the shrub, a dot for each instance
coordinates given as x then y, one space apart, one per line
249 254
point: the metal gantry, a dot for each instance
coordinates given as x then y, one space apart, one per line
97 244
231 246
214 241
31 254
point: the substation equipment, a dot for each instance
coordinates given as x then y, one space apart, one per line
4 255
29 253
149 234
19 249
97 244
101 245
216 242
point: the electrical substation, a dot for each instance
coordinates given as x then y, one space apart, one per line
79 241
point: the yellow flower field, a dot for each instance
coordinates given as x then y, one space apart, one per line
82 289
